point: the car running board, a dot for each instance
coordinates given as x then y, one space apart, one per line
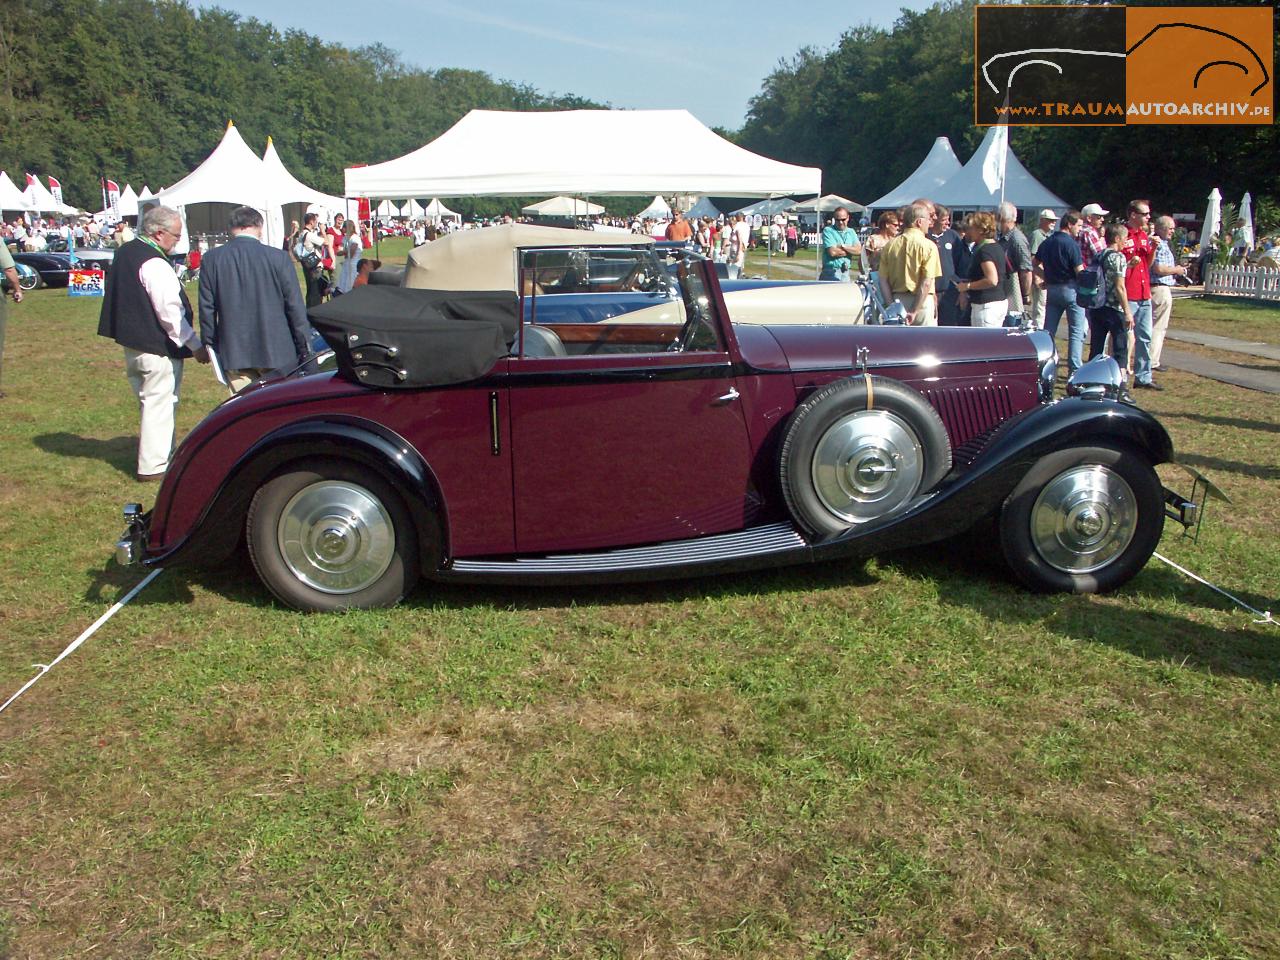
722 548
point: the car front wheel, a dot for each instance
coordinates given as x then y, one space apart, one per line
331 536
30 280
1083 520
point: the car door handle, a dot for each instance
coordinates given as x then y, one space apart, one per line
728 397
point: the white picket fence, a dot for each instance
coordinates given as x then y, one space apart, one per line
1257 283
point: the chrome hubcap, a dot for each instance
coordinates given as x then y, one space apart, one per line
1083 519
867 465
336 537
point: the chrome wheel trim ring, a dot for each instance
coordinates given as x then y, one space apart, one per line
1083 519
336 537
867 465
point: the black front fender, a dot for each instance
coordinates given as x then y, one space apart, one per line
216 534
1015 446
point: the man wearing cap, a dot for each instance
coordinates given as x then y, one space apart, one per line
1058 261
1091 241
1048 223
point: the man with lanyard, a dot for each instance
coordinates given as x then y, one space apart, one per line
1138 253
1163 270
910 268
146 311
839 247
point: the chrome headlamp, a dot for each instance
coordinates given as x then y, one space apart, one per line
1047 362
1099 379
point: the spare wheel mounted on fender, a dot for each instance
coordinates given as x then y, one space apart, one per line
859 450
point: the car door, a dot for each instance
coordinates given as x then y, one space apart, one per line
641 440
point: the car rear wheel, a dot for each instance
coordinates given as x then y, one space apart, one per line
860 450
1083 520
331 536
29 279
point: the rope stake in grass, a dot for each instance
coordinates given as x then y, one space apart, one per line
71 647
1265 615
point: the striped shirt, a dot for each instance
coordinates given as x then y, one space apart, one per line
1164 257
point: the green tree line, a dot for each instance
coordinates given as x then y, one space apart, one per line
868 109
142 90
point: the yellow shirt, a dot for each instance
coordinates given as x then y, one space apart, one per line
908 259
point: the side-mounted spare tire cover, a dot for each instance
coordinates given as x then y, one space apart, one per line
860 450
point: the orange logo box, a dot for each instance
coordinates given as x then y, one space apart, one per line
1199 65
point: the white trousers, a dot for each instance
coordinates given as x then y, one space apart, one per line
156 380
1161 310
1036 313
989 314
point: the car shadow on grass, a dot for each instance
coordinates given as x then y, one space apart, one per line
1218 465
971 573
1265 426
119 452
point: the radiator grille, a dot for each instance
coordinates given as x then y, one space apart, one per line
970 412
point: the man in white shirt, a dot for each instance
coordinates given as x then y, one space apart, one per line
146 311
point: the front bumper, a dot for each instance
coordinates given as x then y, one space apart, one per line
129 546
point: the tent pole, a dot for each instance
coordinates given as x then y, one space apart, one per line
768 244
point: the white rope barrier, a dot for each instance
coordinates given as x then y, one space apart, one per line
71 647
1265 615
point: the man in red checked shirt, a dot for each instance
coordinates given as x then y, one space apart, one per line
1138 252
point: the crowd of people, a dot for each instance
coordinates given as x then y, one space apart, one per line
1111 278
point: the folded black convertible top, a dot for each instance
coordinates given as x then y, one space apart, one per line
396 337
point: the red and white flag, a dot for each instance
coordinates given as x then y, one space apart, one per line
113 198
55 187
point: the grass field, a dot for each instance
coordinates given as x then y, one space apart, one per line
908 757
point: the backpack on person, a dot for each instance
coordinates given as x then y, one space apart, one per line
309 259
1091 284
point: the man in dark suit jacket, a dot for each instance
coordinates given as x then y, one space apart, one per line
251 310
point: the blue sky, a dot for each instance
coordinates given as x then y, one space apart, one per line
707 57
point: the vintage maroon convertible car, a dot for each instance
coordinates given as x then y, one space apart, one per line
457 443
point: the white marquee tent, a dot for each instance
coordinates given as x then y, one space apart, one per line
938 166
39 198
128 202
828 204
992 173
439 211
562 207
233 175
11 198
586 153
658 209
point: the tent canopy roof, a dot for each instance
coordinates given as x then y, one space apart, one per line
582 152
11 198
827 204
563 207
658 209
973 186
938 166
41 199
766 208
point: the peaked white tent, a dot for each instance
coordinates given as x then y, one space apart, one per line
829 204
387 209
146 193
562 207
295 197
39 198
438 210
128 202
658 209
233 175
939 165
412 209
11 198
978 184
581 152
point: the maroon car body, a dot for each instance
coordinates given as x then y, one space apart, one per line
613 460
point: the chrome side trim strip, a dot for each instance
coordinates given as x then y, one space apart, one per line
772 538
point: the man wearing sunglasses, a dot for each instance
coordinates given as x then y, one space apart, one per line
146 311
839 247
1138 252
